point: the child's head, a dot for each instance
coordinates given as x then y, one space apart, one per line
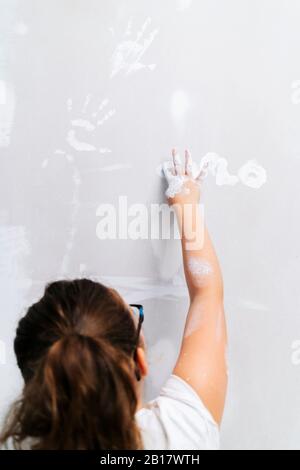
76 349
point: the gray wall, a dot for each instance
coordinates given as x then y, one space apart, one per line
216 76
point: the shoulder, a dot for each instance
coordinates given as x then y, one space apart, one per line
177 420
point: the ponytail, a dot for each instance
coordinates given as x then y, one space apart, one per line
82 395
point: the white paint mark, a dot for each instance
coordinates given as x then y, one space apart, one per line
101 107
175 174
253 175
7 112
182 5
84 124
223 178
199 270
107 116
88 126
78 145
218 167
128 54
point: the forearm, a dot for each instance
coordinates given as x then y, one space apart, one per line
201 266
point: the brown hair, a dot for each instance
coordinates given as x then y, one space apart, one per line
75 349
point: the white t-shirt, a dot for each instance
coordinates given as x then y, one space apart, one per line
177 420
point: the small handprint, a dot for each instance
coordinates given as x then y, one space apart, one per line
128 54
88 124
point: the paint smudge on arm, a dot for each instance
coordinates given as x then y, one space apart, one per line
199 269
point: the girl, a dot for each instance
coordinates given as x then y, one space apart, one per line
82 356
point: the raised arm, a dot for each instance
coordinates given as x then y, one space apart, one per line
202 359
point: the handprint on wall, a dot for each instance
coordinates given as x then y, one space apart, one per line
128 54
85 122
88 122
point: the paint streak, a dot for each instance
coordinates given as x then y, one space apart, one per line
101 107
128 55
253 175
218 167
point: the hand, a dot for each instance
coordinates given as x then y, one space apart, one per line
184 180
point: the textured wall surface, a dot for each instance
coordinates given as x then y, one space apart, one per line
93 94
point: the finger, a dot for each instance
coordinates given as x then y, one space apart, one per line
167 169
177 162
203 172
188 164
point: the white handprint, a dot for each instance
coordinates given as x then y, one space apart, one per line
87 122
129 53
95 120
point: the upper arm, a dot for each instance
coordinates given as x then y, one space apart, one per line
202 359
